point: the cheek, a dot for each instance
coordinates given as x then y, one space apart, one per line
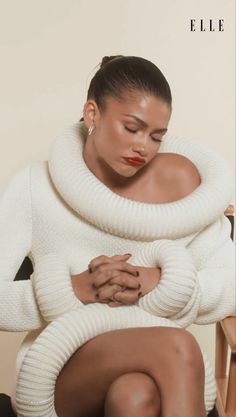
118 138
113 140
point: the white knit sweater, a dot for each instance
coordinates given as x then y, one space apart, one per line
62 216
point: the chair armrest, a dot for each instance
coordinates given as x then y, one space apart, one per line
229 328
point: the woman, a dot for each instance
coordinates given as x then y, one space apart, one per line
125 227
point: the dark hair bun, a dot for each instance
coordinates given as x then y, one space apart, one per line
118 75
107 59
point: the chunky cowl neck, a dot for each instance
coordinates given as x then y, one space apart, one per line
131 219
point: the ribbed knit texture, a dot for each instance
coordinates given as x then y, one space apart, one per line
124 217
53 273
177 295
63 216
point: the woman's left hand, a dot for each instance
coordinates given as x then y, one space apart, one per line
119 294
148 278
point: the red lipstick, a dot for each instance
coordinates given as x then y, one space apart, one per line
135 161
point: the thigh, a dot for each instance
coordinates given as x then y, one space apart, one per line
85 379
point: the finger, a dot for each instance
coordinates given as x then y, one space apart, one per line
125 280
103 278
108 291
121 257
105 301
99 260
106 274
114 304
127 297
119 266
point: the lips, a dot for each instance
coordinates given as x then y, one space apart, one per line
135 161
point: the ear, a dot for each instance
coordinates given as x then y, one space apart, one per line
90 113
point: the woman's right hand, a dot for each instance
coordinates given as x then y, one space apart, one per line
85 283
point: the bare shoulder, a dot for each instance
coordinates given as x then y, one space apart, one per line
178 171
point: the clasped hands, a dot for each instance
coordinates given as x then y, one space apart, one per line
112 280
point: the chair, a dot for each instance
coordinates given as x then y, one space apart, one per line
226 342
225 337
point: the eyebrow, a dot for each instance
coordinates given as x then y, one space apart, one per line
142 122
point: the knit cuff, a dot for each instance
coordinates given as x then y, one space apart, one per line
176 296
53 287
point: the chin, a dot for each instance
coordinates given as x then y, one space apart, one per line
125 171
129 171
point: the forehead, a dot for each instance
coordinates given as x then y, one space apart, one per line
147 107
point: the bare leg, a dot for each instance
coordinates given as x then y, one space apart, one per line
169 356
134 394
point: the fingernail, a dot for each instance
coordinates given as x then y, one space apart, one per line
127 254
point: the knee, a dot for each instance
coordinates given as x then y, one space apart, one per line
133 394
187 352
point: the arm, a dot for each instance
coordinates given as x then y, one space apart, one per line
208 294
177 295
26 305
198 282
18 311
53 287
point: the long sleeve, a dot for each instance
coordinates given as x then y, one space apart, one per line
53 288
26 305
177 295
197 283
18 308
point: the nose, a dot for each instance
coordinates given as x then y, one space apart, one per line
140 147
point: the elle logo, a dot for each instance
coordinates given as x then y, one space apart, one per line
211 26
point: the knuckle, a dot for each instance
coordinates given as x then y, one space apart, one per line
115 298
123 280
135 284
95 283
132 296
97 259
103 296
103 258
117 287
102 269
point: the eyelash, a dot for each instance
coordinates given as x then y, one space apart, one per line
134 131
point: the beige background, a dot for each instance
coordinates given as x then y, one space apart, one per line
49 50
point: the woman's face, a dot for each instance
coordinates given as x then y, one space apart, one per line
130 128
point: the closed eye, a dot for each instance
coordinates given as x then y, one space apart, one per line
130 130
134 131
